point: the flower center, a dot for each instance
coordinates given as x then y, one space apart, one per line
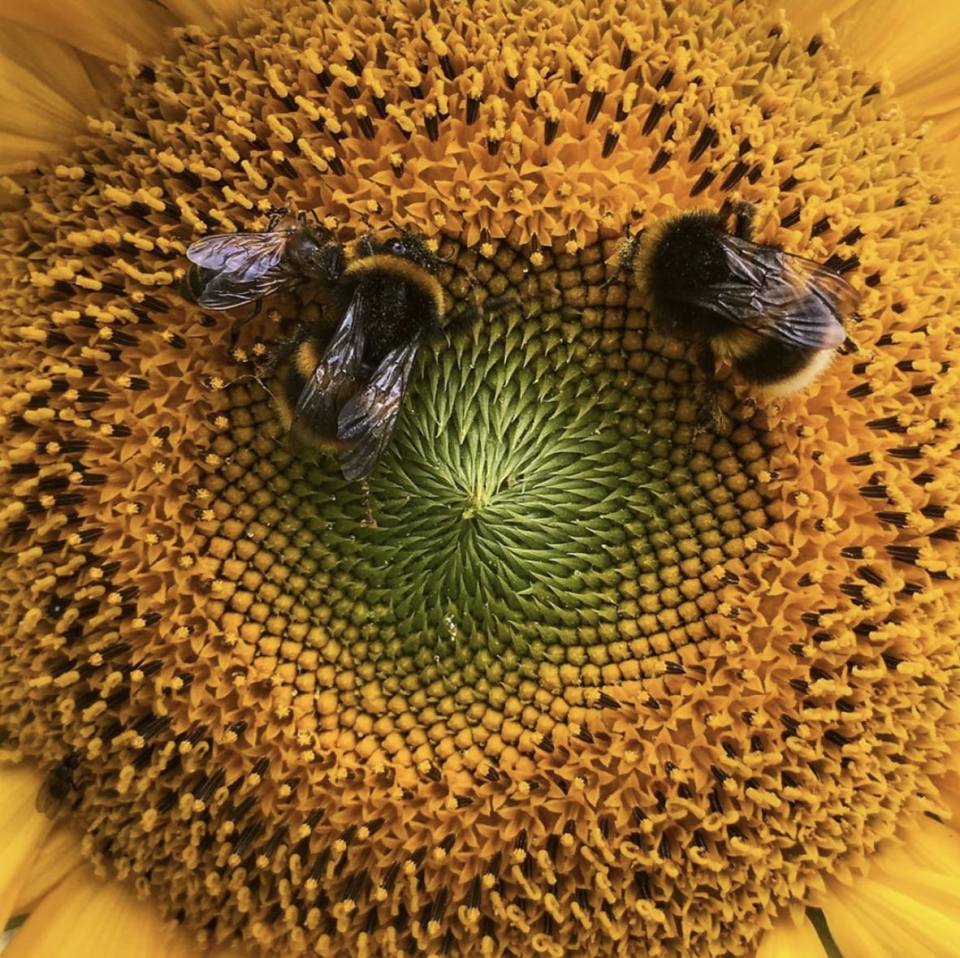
546 508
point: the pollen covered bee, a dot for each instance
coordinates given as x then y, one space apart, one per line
776 317
230 269
344 395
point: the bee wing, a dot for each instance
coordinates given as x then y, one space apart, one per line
368 419
47 802
333 379
245 255
226 290
781 296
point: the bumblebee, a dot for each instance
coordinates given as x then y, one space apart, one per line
230 269
58 786
776 317
345 395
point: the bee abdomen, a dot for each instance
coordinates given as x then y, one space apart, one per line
780 370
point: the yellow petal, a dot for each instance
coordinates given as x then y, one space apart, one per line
106 30
22 830
56 858
84 917
918 47
19 154
909 904
206 13
52 63
787 940
45 92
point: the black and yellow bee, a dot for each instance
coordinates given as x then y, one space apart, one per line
776 317
59 787
344 395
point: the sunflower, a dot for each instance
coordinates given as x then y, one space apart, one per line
592 681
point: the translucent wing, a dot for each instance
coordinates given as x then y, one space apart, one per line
333 380
226 290
778 295
368 419
245 255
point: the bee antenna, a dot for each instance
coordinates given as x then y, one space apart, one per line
365 244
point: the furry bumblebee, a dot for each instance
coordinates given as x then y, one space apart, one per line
345 395
776 317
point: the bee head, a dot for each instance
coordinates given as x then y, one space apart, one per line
412 247
317 252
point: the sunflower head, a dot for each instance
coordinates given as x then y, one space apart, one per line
571 676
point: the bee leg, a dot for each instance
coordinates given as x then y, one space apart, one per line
711 416
625 256
369 521
477 310
240 323
276 213
744 213
281 351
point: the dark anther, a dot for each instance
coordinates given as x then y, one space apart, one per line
734 176
888 424
473 109
653 118
946 534
705 179
660 160
909 554
609 143
596 103
821 226
874 578
708 137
